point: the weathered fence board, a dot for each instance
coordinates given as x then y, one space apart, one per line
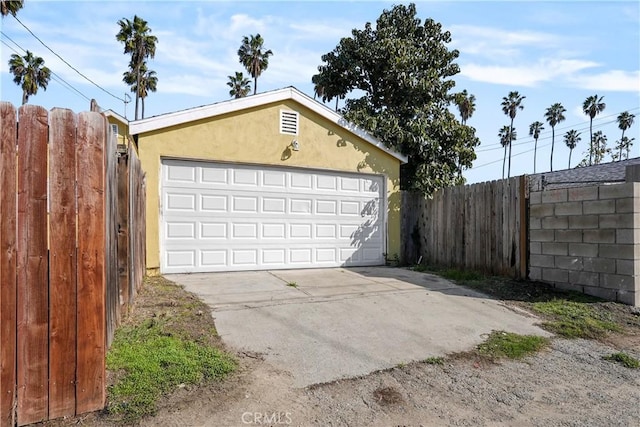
59 281
62 273
90 371
480 227
8 290
33 301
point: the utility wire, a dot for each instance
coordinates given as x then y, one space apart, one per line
69 65
54 76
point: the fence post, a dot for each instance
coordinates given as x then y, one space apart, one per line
523 196
8 286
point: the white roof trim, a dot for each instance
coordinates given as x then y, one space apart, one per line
179 117
111 113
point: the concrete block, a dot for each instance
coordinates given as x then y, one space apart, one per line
616 251
555 222
616 221
535 223
617 281
599 265
584 278
540 211
568 262
535 248
542 261
569 208
606 294
541 235
569 235
535 273
628 267
554 196
624 205
615 191
632 173
583 221
630 298
555 275
599 236
554 248
627 236
599 207
535 197
569 287
583 193
583 249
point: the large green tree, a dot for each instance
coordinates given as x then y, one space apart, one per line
571 138
592 106
10 7
510 106
534 130
554 115
239 84
402 71
140 45
254 57
30 73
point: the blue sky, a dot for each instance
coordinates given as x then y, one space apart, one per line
548 51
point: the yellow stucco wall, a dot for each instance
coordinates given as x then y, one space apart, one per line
253 136
123 129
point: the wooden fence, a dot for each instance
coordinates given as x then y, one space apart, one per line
58 261
481 227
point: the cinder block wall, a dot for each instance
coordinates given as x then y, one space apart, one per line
588 239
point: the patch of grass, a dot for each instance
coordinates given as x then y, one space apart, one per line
574 319
624 359
401 365
501 344
292 284
434 360
151 362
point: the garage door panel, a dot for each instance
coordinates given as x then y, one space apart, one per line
222 217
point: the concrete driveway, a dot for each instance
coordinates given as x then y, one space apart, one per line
326 324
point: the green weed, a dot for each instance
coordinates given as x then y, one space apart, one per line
501 344
624 359
573 319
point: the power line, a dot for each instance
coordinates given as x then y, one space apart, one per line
69 65
54 76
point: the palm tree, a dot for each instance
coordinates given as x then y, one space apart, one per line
625 120
534 130
140 44
592 106
624 144
510 106
10 7
253 57
571 138
554 115
506 135
29 73
466 105
148 83
239 84
599 147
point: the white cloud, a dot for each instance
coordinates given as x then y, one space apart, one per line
612 80
525 74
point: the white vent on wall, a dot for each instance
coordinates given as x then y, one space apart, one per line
288 122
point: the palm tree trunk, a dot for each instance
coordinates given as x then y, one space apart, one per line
255 85
337 98
510 140
504 160
143 108
590 141
535 152
570 151
553 140
25 97
621 139
137 90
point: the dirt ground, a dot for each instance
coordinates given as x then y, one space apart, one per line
568 384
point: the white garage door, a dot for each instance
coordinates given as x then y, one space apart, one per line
223 217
